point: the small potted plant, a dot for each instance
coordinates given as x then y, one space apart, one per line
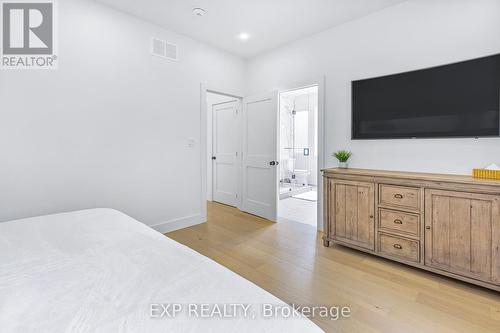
343 156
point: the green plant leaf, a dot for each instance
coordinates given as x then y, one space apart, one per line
342 155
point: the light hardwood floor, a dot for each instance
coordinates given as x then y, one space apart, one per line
289 261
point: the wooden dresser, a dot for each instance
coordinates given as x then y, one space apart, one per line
446 224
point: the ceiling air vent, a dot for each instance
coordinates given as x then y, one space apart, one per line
163 49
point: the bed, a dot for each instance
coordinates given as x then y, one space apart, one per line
102 271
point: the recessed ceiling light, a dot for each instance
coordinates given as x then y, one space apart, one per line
199 11
244 36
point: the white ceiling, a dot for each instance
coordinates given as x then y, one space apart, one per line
271 23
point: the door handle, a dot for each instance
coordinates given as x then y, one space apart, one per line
214 158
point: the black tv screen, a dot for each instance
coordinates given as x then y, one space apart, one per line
457 100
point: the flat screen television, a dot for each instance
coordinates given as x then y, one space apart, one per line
457 100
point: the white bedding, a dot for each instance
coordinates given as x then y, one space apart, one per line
100 271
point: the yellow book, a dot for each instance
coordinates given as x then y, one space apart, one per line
486 174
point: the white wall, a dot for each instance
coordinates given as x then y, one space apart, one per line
110 127
212 99
412 35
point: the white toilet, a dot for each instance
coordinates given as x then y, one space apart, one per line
301 177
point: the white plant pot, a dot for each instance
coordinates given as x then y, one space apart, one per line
343 165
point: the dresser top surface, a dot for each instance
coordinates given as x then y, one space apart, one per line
462 179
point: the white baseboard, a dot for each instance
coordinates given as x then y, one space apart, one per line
180 223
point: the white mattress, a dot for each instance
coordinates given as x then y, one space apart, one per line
100 271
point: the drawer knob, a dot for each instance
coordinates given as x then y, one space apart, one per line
398 222
428 227
398 196
397 246
372 217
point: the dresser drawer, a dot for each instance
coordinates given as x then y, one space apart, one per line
400 196
395 221
399 247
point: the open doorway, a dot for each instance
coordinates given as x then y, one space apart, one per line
298 176
260 163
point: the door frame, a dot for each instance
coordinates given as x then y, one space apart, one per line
204 89
320 82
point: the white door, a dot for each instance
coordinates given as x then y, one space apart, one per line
225 153
260 155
